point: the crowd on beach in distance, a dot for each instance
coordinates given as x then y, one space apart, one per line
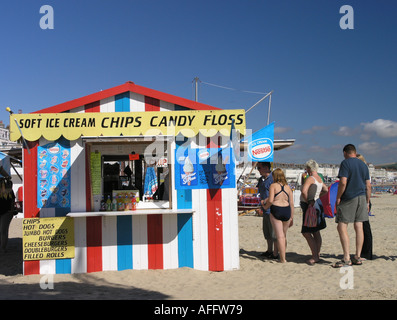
353 206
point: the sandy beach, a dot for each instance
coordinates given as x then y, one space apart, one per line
257 278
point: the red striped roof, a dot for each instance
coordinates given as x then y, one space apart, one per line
128 86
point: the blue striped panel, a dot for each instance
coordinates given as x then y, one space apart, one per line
124 223
185 241
184 199
122 102
185 226
63 211
124 242
63 266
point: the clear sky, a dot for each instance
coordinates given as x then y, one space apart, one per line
331 86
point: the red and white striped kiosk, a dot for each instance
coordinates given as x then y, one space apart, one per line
128 178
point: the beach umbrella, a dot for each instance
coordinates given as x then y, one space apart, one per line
333 191
5 185
328 200
5 164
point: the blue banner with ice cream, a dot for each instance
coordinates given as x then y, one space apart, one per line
261 144
204 168
53 170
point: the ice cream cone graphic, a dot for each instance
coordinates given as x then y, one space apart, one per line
221 169
188 169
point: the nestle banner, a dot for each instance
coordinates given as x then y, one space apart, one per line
261 144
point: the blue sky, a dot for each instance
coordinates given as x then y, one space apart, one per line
331 86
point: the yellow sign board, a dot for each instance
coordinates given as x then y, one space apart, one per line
48 238
150 123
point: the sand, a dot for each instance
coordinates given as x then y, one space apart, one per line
257 278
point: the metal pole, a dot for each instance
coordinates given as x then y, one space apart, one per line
196 80
16 171
16 122
259 101
23 138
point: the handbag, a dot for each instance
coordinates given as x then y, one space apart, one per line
310 217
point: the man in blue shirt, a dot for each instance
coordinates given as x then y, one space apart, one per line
352 201
264 183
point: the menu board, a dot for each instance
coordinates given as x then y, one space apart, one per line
53 176
96 172
48 238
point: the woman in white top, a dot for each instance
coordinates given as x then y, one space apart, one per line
311 190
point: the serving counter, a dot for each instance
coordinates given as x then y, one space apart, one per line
128 213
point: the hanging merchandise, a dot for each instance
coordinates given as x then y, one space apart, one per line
151 184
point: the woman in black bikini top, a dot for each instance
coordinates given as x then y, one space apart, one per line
282 190
281 213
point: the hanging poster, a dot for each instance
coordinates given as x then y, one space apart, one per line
208 168
53 171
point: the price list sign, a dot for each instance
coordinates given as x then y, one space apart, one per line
48 238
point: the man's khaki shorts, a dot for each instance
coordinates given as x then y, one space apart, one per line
353 210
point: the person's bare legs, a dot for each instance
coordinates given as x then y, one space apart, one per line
319 241
358 228
275 246
279 230
286 225
344 239
314 241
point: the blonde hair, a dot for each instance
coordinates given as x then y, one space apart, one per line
278 176
361 157
312 165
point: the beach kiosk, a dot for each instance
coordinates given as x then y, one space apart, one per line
128 178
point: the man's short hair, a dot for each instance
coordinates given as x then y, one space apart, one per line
265 164
349 149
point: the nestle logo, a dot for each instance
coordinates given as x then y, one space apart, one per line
261 149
